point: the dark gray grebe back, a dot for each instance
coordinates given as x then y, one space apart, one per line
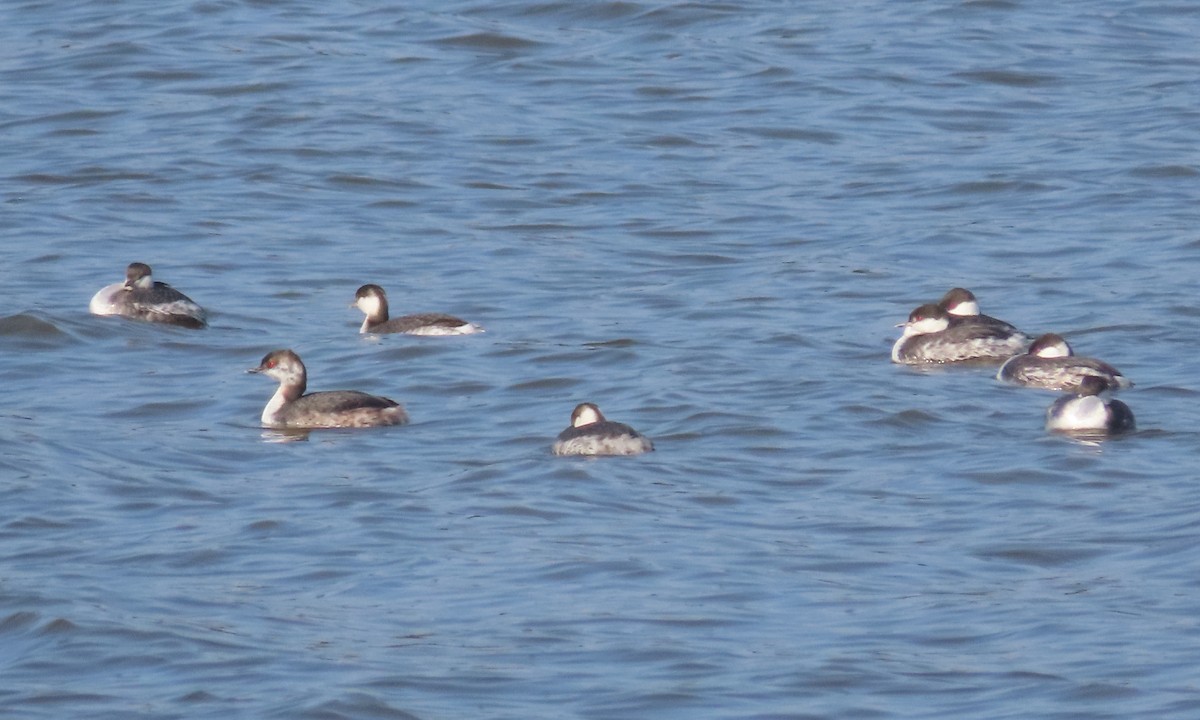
591 434
372 300
141 298
1053 365
1087 413
291 408
930 336
963 307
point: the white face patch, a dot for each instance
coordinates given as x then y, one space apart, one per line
585 416
369 304
965 308
1057 350
284 371
924 326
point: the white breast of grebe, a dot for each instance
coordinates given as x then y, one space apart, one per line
274 405
1089 416
104 301
1078 413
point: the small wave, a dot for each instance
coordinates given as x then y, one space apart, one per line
24 325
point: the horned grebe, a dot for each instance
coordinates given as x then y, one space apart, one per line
963 307
1051 364
372 300
591 434
141 298
930 336
1087 413
291 408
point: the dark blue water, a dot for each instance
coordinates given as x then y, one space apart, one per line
704 217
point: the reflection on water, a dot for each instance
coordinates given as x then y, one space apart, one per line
285 436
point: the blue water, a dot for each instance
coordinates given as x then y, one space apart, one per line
706 218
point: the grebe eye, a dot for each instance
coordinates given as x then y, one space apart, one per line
271 364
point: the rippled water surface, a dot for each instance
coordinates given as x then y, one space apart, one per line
704 217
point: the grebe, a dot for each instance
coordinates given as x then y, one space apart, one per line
1086 412
291 408
141 298
372 300
963 307
591 434
1051 364
931 336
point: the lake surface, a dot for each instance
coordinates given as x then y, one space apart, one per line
705 217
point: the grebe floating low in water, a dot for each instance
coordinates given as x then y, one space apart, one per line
372 300
291 408
931 336
963 307
591 434
1087 413
1051 364
141 298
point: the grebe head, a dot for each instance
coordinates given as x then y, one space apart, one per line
284 366
137 275
1050 345
959 301
586 414
371 299
928 318
1091 385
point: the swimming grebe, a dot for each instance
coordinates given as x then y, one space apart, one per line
591 434
931 336
963 307
1051 364
1086 412
141 298
291 408
372 300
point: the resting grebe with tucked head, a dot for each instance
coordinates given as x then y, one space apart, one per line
372 300
930 336
1051 364
591 434
963 307
1088 413
141 298
291 408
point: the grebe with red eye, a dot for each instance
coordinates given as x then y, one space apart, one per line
291 408
931 336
